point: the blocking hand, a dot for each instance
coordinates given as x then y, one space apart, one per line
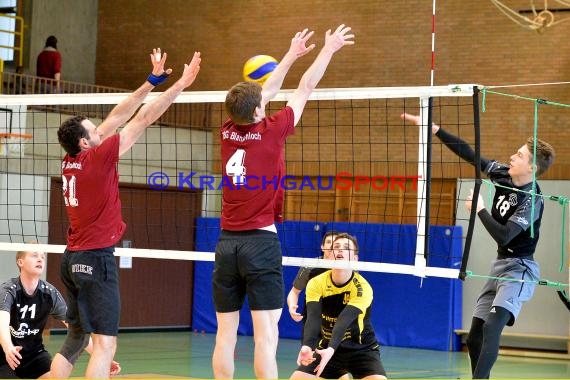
339 38
158 64
191 70
299 43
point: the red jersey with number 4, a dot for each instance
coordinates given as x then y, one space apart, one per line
91 194
253 165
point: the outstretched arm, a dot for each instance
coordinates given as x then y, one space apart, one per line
297 49
151 111
293 304
11 352
123 111
454 143
348 315
299 283
333 43
502 234
345 318
312 324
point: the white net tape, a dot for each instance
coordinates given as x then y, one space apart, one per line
13 145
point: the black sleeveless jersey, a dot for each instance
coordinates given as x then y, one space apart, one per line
29 313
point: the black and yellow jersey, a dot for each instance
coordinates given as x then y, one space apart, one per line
333 299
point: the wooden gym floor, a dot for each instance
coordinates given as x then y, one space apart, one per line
185 354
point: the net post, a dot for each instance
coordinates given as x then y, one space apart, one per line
472 215
428 178
421 209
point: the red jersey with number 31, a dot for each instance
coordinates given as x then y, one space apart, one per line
91 195
253 164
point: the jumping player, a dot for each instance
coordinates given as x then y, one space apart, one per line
508 222
91 194
248 253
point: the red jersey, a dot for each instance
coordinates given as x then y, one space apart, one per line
91 194
48 63
253 165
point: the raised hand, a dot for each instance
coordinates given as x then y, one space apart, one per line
411 118
299 43
339 38
191 70
158 60
469 201
417 121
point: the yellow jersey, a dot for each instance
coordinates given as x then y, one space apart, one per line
356 292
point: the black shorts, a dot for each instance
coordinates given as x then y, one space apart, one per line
31 366
360 363
92 282
248 262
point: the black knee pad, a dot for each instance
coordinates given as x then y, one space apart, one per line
474 338
75 342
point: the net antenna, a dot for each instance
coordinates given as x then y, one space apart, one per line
432 44
422 240
539 19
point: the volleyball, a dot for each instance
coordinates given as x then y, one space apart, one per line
259 68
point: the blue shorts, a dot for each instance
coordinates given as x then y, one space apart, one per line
510 295
92 282
248 262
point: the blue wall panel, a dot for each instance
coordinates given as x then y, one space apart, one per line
406 311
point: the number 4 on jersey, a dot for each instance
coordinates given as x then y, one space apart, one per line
235 168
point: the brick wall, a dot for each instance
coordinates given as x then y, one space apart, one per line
475 43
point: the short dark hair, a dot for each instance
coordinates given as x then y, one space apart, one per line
241 101
51 42
344 235
544 154
327 234
69 134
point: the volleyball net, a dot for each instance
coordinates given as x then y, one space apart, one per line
353 165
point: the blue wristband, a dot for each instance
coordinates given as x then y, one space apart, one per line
155 80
